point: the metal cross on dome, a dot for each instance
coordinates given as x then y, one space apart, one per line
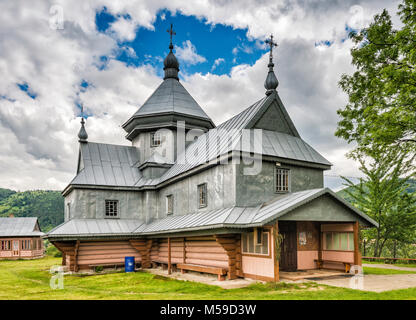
272 44
171 32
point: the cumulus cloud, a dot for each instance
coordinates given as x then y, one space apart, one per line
187 53
125 29
39 136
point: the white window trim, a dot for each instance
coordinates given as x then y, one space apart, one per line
154 135
117 209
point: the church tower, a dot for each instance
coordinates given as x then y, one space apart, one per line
153 128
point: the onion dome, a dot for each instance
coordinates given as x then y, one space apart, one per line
82 134
171 64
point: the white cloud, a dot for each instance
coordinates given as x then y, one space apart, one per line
216 63
187 54
125 29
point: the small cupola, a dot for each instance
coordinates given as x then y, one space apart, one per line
82 134
171 64
169 105
271 82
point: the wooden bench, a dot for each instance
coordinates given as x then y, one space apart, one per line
221 272
320 263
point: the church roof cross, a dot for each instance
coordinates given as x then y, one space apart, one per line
171 33
272 44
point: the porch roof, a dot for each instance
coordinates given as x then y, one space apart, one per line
224 218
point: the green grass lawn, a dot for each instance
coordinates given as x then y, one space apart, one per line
407 265
30 280
371 270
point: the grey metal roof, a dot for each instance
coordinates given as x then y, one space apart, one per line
171 96
210 145
157 158
242 217
108 165
101 227
25 226
230 217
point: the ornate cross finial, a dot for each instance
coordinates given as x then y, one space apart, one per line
172 33
272 44
271 82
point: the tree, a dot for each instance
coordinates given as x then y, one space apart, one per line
382 196
381 109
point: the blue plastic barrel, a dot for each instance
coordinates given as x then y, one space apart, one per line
129 264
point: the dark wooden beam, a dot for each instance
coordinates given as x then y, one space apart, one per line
357 254
275 229
76 256
169 257
320 235
230 244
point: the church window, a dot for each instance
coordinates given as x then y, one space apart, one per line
252 244
68 210
202 195
169 204
282 180
156 139
111 208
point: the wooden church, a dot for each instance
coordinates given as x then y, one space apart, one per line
245 198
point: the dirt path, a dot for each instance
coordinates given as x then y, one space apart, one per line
388 266
372 282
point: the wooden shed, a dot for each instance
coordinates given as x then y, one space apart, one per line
21 238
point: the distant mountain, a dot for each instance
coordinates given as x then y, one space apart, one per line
48 206
410 189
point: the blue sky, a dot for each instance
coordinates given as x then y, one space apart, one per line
230 46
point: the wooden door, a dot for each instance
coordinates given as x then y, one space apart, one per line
15 248
288 254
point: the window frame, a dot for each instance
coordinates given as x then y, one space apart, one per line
258 231
26 245
6 247
350 240
169 204
264 231
153 136
108 216
278 169
203 187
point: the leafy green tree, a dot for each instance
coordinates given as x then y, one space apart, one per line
381 109
382 196
5 193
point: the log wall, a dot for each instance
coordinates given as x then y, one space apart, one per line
94 252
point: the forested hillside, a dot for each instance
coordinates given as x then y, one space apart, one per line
48 206
410 189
